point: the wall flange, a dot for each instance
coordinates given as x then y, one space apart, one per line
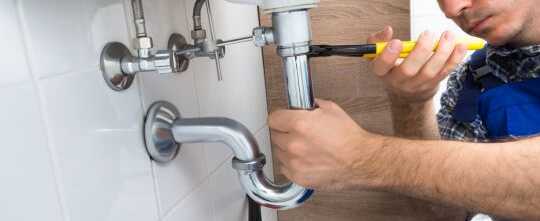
111 66
158 136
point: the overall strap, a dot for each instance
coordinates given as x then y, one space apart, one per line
479 78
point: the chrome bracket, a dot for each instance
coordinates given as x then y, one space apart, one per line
158 136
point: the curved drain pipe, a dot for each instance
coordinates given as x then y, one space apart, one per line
165 131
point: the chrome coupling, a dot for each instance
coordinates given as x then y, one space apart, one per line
249 166
198 35
143 46
263 36
164 62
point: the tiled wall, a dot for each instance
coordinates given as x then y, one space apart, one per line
73 149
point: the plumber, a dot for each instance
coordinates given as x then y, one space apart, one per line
479 152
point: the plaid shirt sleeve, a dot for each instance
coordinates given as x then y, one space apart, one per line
450 128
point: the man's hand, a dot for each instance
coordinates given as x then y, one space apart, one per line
318 148
416 78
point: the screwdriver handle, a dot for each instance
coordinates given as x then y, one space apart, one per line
472 45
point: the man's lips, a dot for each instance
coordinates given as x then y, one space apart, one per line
477 26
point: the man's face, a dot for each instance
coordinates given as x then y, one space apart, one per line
497 21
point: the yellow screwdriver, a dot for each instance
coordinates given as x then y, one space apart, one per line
371 51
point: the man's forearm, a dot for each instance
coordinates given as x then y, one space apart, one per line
414 120
498 178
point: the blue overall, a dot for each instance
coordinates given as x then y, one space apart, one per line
507 110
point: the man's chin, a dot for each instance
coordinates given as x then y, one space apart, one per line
493 38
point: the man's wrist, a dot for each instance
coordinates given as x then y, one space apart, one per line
403 103
391 164
374 166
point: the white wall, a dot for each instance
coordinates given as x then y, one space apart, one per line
73 148
426 15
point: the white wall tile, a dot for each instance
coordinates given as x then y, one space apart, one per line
196 207
65 42
177 179
27 182
13 59
241 95
96 136
108 24
102 169
165 17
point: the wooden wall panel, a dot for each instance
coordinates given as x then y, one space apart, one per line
349 82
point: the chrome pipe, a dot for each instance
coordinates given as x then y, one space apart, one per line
248 160
292 34
298 84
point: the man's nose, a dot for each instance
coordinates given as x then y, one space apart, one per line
454 8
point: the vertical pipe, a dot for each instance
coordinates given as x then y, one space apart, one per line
298 82
197 8
138 15
292 33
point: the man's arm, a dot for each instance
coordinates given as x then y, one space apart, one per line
414 120
326 149
497 178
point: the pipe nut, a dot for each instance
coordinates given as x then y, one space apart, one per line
143 43
198 34
163 62
263 36
249 166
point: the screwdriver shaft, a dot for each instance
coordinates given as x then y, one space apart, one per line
235 41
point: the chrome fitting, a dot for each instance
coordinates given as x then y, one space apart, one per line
143 46
119 66
292 32
163 62
164 128
211 49
263 36
198 35
254 165
144 43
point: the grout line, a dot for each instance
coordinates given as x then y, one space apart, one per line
186 197
157 196
50 76
54 161
15 84
138 84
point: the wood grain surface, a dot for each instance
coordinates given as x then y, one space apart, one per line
348 82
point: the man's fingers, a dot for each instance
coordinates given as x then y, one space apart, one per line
281 140
455 59
280 155
437 62
324 104
418 57
386 61
381 36
283 120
